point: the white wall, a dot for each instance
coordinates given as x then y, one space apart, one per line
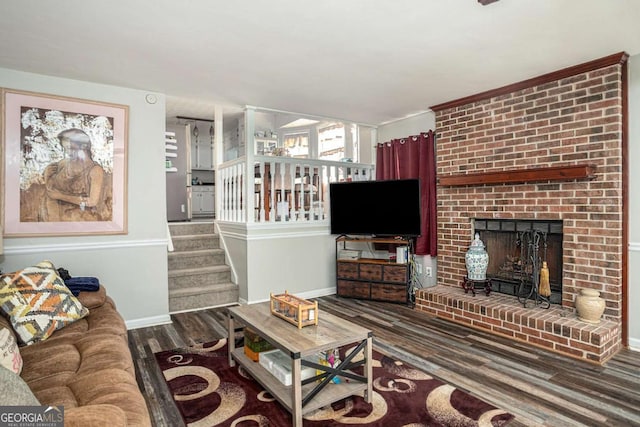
133 267
399 129
410 126
634 202
272 258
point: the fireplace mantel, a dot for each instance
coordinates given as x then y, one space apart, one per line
557 173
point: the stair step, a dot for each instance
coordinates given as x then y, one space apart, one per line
198 297
202 276
198 258
191 228
191 242
198 275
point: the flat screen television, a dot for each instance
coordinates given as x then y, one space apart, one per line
377 208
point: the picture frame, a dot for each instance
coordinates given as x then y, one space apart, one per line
64 165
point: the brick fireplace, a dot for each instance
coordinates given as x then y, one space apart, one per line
565 131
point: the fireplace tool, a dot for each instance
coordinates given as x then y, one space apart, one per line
545 286
529 288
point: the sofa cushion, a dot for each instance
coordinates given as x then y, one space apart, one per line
91 299
9 353
14 391
38 302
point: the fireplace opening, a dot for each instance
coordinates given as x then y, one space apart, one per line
508 242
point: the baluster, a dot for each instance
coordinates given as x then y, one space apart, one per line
276 188
232 193
229 196
322 189
285 215
223 195
301 210
262 182
238 184
295 200
242 208
230 206
312 192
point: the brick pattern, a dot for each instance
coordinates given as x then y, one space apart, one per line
575 120
556 328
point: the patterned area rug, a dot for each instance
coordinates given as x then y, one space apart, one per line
210 393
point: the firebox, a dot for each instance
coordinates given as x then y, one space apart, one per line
509 243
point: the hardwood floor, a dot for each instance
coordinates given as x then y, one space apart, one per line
540 388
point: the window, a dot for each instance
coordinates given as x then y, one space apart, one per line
331 142
297 144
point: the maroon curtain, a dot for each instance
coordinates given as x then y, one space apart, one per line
414 157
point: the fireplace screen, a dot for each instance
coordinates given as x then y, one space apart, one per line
516 248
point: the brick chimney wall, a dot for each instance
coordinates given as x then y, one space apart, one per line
571 121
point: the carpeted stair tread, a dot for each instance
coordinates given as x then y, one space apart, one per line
199 297
194 228
195 242
199 290
199 270
195 236
196 252
196 258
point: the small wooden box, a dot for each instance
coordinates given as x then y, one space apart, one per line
297 311
254 344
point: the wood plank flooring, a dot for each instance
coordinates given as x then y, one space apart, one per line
539 387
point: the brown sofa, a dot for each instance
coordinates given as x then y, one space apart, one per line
87 368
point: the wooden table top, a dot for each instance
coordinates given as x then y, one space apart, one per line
331 331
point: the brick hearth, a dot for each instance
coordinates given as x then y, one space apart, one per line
556 120
556 328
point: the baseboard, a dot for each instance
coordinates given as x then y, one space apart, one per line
189 310
316 293
148 321
634 344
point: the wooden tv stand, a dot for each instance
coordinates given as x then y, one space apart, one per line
369 278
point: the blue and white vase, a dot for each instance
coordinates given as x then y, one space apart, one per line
476 260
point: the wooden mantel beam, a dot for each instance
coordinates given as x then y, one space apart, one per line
557 173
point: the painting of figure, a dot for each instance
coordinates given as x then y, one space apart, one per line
62 179
64 166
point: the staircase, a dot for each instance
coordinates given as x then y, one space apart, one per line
198 275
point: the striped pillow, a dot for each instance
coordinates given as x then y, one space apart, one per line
38 303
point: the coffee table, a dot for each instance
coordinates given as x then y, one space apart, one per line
304 396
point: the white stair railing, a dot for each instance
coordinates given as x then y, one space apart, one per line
286 190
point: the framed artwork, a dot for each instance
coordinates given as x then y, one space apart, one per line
64 167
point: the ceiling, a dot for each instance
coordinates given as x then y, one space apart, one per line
368 61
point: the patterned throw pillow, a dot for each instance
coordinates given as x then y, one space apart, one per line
38 303
9 353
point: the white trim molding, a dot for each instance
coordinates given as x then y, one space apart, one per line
263 231
634 246
316 293
144 322
34 249
634 344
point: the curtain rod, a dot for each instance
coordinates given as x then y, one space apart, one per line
195 119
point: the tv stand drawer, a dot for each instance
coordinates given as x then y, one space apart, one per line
370 272
391 293
353 289
374 279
